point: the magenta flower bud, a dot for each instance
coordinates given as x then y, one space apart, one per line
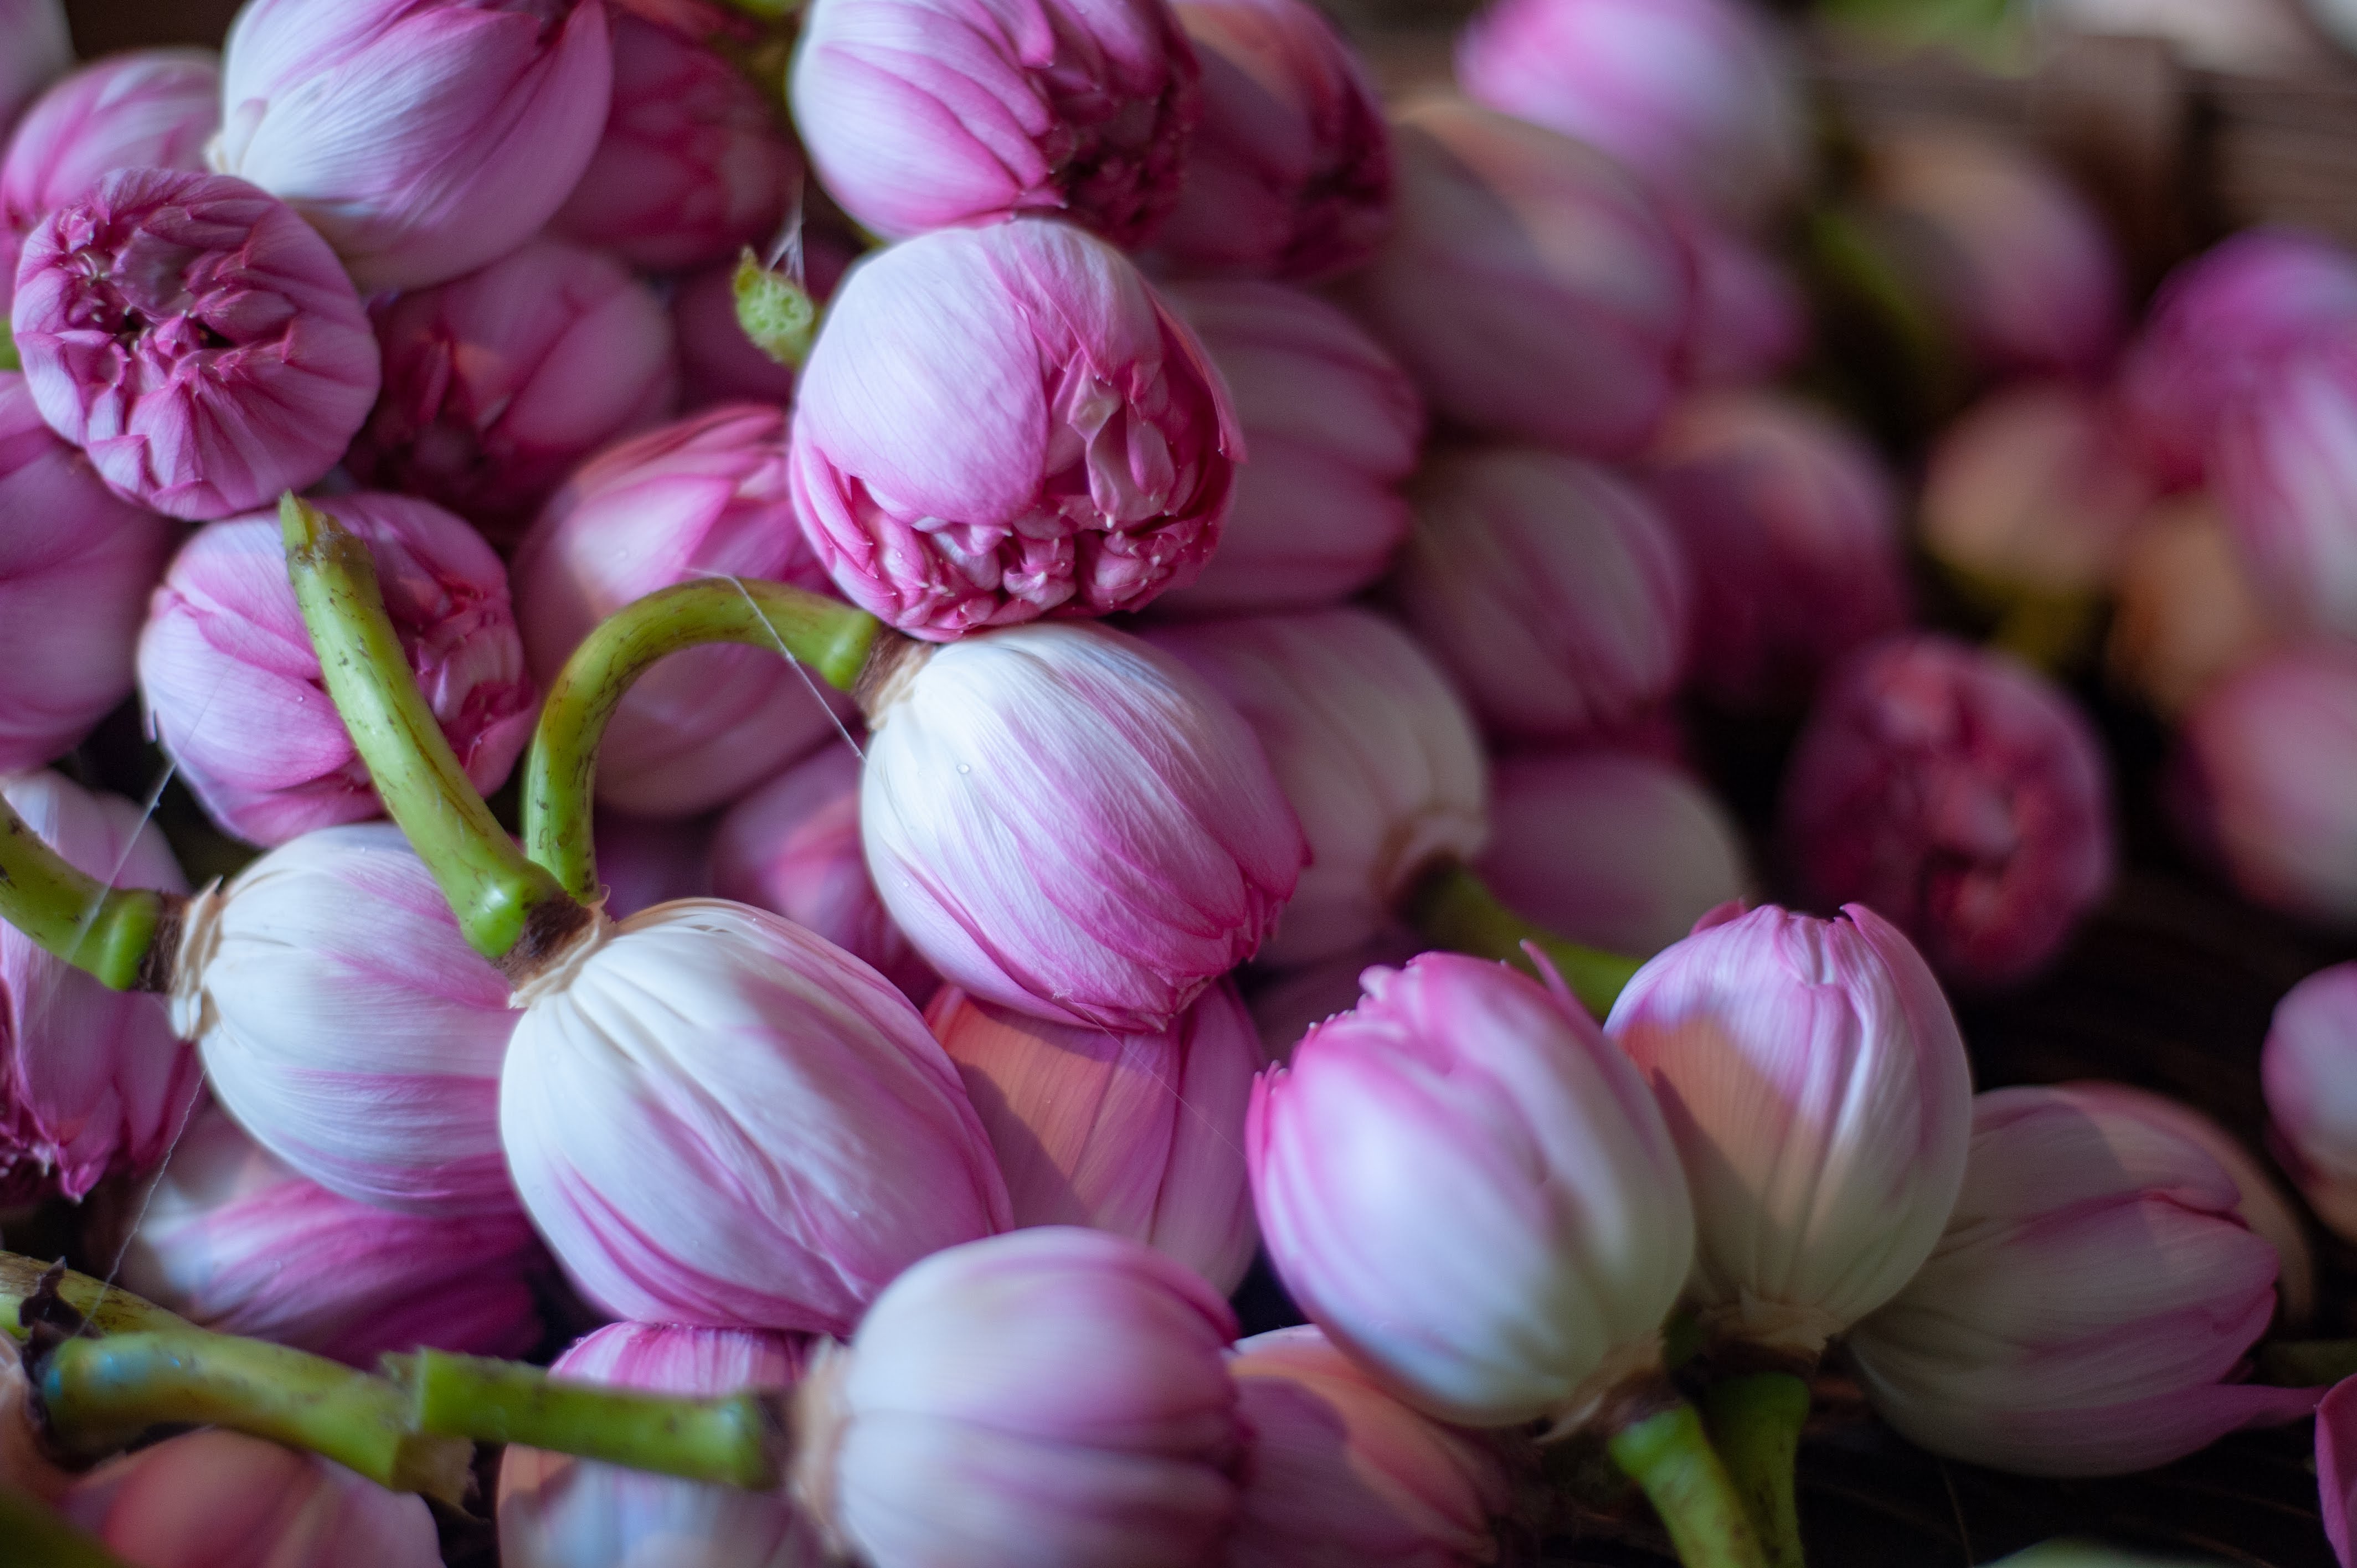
1341 1473
1750 322
1152 851
2032 489
1479 1290
924 114
1791 524
1006 422
1138 1134
1052 1399
1377 755
2093 1297
1333 425
92 1082
2312 1092
706 497
1553 591
1959 792
233 690
423 138
1617 851
2283 465
35 45
195 339
647 861
497 384
1532 289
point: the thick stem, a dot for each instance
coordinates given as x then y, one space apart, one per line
1755 1422
104 931
1667 1454
31 1534
1450 907
831 638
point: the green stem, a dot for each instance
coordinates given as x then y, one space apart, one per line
101 931
1451 908
829 636
2307 1363
1755 1421
1667 1454
109 1309
31 1534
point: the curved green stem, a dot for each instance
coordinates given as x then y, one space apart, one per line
831 638
1451 908
101 931
1755 1421
32 1534
1668 1456
108 1309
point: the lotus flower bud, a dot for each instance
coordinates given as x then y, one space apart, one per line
2094 1291
1483 1291
70 541
1006 422
1791 524
423 138
1333 424
2312 1092
1138 1134
92 1080
2188 613
35 45
559 1512
1617 851
1340 1473
233 690
2032 491
1286 1006
717 362
1150 853
1960 793
1532 289
1377 755
1821 1185
195 339
2283 465
924 114
702 497
1554 592
1052 1399
1750 323
497 384
647 861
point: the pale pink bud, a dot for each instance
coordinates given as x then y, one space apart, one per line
1376 753
2094 1291
717 362
423 138
1480 1289
1286 1006
2032 490
1138 1134
1340 1475
1006 422
232 685
1750 322
35 45
2309 1072
1531 286
706 497
195 339
647 861
1620 851
92 1080
1052 1399
497 384
70 541
1791 524
1333 425
1069 822
2188 614
1553 590
1962 795
2284 466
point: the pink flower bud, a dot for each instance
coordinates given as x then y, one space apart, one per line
195 339
1341 1473
1138 1134
2094 1291
923 114
1822 1182
1006 422
2188 614
70 541
1619 850
1750 322
647 861
1959 792
92 1080
1070 823
423 138
1791 524
1554 592
2283 462
2032 491
706 497
1376 754
35 45
1333 425
2311 1091
497 384
1052 1399
1480 1289
1532 289
233 690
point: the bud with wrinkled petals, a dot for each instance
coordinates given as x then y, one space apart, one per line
35 45
2188 614
195 339
423 138
1071 823
2284 468
2311 1091
1006 423
2094 1291
1483 1291
1052 1399
233 690
2032 491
